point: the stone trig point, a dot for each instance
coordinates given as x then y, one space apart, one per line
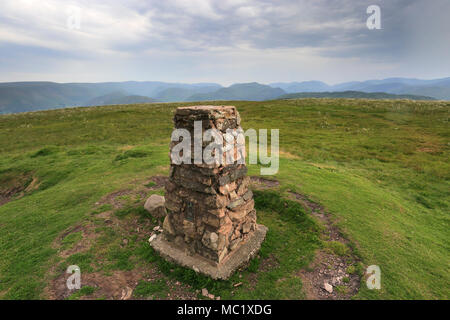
210 224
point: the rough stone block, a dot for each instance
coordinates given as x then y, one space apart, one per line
211 210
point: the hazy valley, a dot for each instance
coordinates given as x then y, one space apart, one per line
31 96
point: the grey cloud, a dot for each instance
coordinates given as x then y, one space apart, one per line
134 30
339 27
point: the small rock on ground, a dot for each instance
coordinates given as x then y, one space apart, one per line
155 206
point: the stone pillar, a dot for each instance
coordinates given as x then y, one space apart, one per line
211 221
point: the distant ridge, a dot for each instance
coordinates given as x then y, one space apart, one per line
241 91
118 97
354 95
436 88
183 94
30 96
306 86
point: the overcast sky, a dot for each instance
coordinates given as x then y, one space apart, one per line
223 41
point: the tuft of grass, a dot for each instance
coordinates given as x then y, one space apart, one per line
84 291
122 213
102 208
120 259
336 247
82 260
44 152
341 289
254 265
351 269
150 184
71 239
132 154
155 289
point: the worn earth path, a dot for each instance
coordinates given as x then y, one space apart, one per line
332 275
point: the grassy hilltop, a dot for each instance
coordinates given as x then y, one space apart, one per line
73 183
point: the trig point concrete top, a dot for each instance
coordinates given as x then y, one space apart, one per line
210 225
212 117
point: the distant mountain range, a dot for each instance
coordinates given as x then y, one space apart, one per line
31 96
353 95
118 97
438 88
241 91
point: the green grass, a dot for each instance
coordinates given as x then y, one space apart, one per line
379 167
157 288
71 239
84 291
336 247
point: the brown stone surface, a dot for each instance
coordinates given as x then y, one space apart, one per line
210 210
243 253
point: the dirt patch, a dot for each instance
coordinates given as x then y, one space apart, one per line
14 185
116 198
113 198
114 286
88 236
34 185
288 155
331 271
156 182
268 263
318 211
7 195
125 198
265 265
69 231
429 147
263 183
125 148
119 285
